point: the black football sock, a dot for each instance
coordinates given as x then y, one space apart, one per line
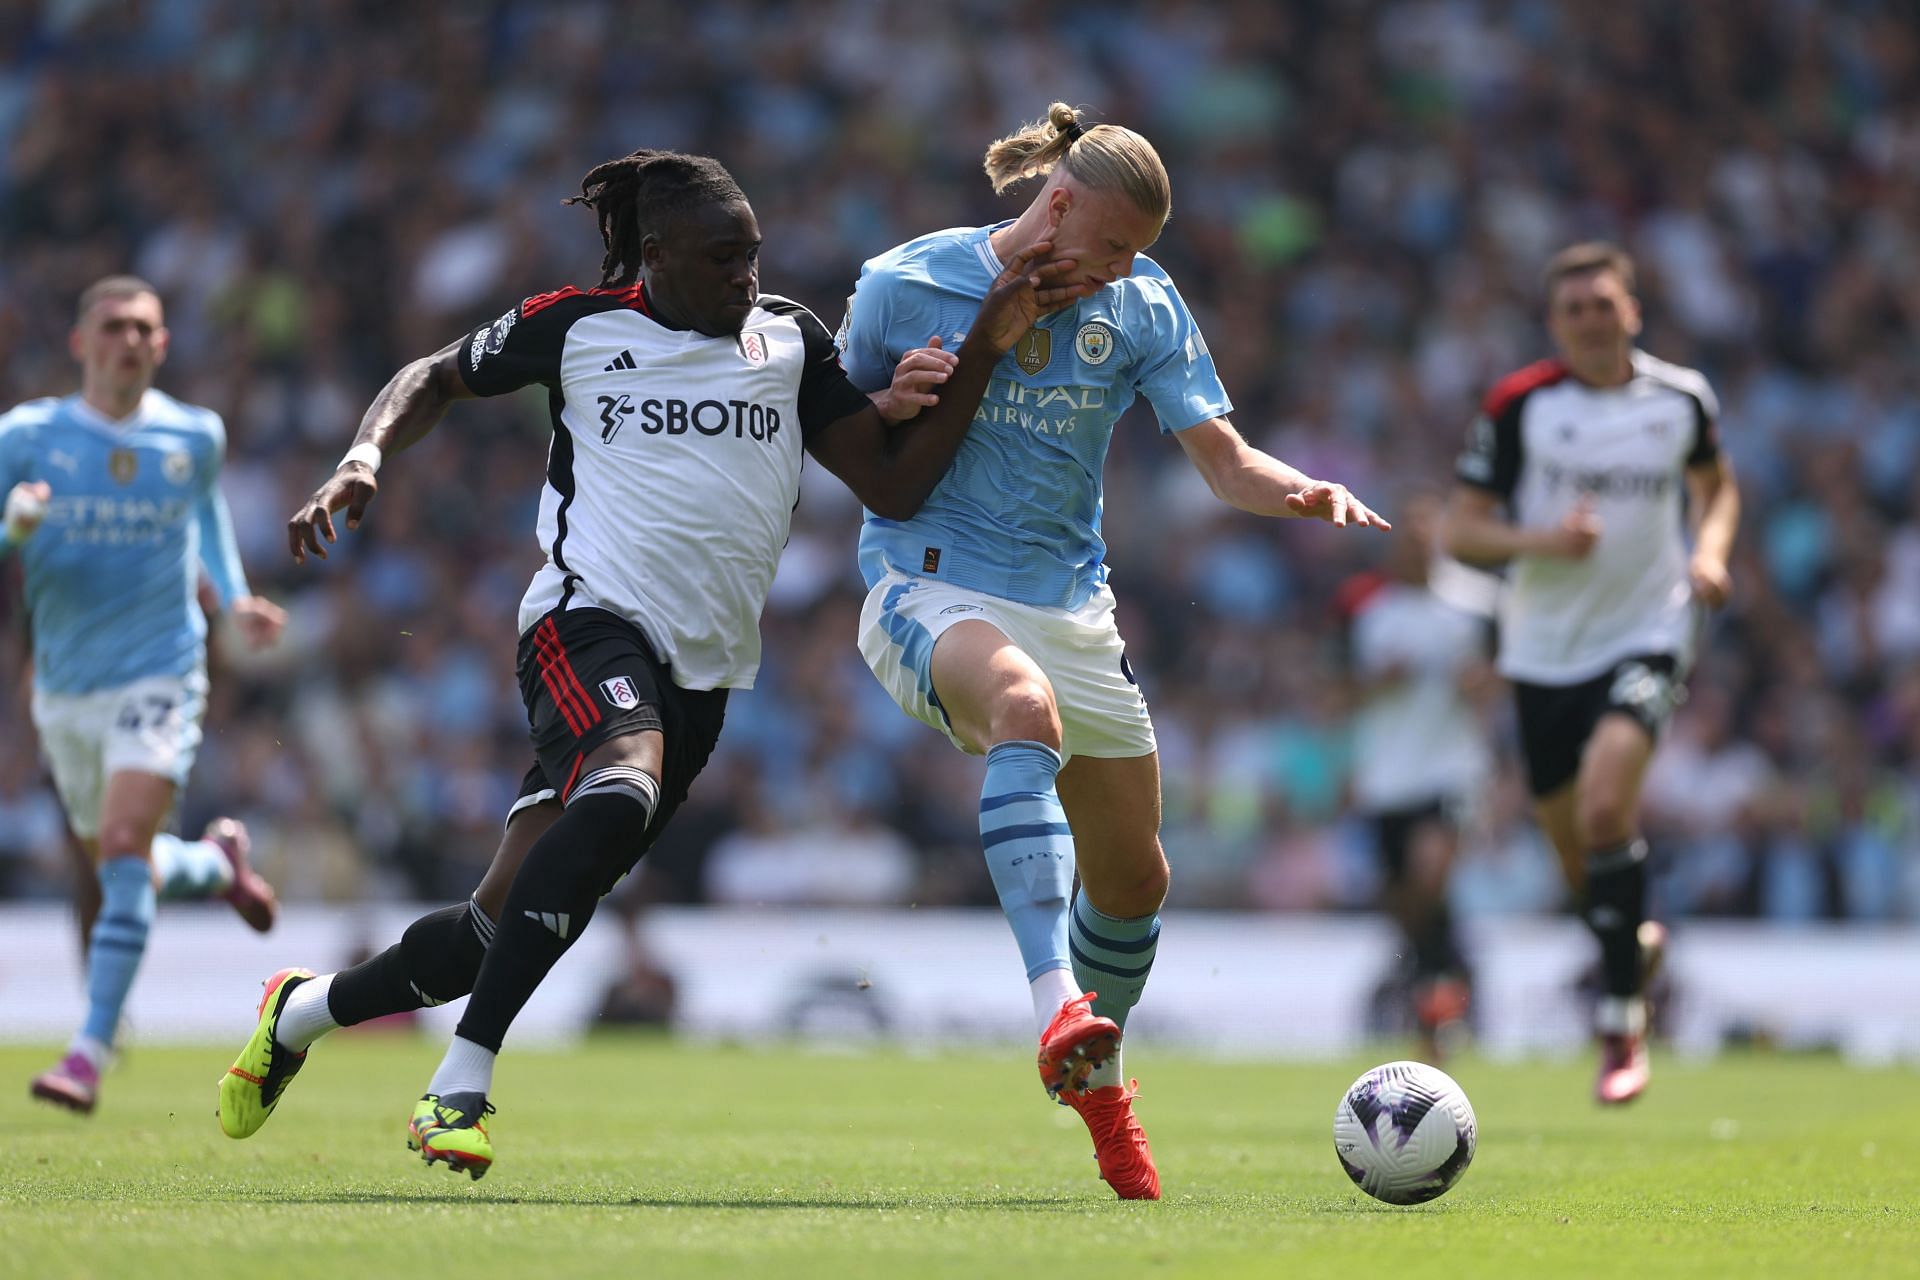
1616 906
552 899
435 961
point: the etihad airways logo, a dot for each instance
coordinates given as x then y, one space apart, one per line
1042 410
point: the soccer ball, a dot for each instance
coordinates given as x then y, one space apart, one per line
1404 1132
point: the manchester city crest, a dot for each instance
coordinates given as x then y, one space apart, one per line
1094 343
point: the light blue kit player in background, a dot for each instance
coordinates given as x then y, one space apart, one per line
988 614
113 505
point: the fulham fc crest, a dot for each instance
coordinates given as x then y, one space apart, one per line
620 693
1094 342
754 347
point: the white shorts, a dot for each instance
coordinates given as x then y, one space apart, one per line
1101 711
148 726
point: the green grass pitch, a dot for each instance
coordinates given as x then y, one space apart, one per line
650 1158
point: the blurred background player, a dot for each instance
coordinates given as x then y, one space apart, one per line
1601 459
113 503
989 617
681 400
1420 759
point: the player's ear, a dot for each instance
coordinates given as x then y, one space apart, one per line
162 339
653 251
1059 201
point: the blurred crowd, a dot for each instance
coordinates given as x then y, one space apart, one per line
1364 193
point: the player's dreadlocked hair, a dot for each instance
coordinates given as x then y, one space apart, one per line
636 195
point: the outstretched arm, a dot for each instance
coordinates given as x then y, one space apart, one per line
1253 480
406 409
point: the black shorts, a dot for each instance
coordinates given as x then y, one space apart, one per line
1557 719
589 676
1393 831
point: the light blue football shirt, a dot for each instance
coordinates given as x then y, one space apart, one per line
1018 513
112 572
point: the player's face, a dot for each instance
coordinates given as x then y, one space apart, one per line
1100 230
120 342
705 271
1593 318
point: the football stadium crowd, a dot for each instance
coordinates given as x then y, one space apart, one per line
1364 194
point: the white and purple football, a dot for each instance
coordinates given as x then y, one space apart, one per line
1404 1132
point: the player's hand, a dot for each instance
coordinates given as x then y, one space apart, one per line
1024 292
351 487
26 508
1712 584
1573 537
259 620
1332 503
915 381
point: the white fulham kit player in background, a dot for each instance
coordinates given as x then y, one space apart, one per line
1595 456
1420 667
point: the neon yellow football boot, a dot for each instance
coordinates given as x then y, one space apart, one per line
253 1084
454 1129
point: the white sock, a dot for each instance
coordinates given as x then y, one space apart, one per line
306 1017
189 869
1621 1015
467 1068
1051 990
1107 1073
92 1050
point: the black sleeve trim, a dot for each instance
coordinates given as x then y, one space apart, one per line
1491 460
525 345
826 394
1706 434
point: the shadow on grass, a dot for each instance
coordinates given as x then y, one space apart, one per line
561 1200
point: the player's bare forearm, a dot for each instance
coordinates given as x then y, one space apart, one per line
1716 504
892 468
1259 483
1255 481
405 410
413 401
1476 535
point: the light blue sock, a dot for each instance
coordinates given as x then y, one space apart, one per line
190 869
119 940
1029 849
1112 956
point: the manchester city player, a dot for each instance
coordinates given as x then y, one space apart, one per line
989 615
113 505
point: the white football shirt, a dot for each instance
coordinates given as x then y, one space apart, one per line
675 462
1417 738
1544 440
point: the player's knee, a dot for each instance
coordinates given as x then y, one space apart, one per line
1606 816
1136 890
1026 711
122 838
